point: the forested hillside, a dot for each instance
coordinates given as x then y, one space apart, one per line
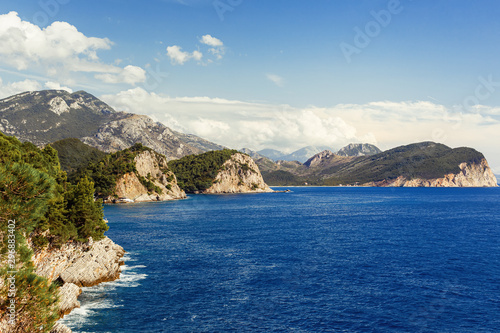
41 207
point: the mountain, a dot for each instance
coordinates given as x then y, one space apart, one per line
272 154
359 149
300 155
42 117
419 164
303 154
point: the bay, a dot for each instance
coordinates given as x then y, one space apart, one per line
313 260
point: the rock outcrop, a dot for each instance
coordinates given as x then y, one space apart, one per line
471 175
152 167
77 265
239 174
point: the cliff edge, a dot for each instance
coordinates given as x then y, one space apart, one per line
152 181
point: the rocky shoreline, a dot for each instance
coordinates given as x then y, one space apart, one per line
470 175
77 265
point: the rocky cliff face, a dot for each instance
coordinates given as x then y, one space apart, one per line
153 167
239 174
470 175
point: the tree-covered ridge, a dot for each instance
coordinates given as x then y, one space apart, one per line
38 203
107 171
74 154
197 172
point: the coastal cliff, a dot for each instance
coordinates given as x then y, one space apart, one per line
150 168
74 265
239 174
470 175
216 172
77 265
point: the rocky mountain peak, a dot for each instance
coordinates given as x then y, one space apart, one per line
359 149
319 158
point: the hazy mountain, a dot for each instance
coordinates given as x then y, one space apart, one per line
359 149
303 154
252 153
46 116
272 154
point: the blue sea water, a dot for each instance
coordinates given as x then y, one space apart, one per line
313 260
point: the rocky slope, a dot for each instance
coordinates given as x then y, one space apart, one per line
153 167
239 174
46 116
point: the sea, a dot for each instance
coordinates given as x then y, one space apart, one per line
315 259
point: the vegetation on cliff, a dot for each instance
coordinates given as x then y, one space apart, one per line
198 172
39 202
106 171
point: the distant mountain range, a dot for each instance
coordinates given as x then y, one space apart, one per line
46 116
303 154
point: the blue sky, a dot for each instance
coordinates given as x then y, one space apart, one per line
258 68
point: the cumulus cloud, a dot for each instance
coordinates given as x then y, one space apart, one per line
276 79
56 86
179 57
238 124
60 47
14 88
217 46
211 41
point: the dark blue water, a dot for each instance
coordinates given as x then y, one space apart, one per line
315 260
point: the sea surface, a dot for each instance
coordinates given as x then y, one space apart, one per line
314 260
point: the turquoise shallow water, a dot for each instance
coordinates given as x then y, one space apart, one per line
314 260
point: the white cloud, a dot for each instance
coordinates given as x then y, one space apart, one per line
276 79
217 46
14 88
387 124
58 49
179 57
211 41
130 74
56 86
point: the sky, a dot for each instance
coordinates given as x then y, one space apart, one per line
272 74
